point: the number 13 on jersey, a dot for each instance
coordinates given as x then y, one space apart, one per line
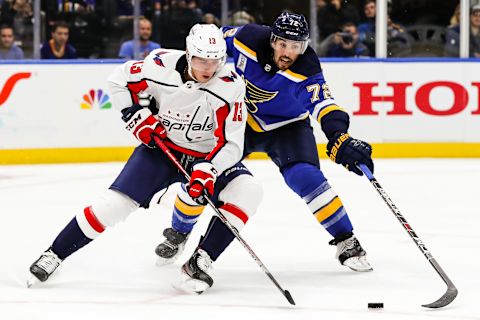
237 113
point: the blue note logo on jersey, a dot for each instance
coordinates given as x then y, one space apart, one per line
256 95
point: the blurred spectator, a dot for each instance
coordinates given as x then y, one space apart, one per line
192 5
15 11
211 6
19 15
366 30
145 30
209 18
455 19
344 44
57 47
397 39
241 18
124 22
452 43
86 30
8 49
333 14
422 12
147 7
320 4
254 9
175 23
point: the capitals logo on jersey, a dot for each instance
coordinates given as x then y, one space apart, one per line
229 78
186 123
158 58
256 95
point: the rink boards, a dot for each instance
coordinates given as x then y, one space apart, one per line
405 108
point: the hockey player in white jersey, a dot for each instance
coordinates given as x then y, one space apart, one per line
196 106
284 85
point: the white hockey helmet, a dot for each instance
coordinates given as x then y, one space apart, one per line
206 41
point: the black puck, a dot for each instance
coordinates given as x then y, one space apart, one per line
375 305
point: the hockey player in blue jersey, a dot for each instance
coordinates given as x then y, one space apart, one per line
285 86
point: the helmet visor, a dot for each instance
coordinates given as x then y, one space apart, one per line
297 47
205 65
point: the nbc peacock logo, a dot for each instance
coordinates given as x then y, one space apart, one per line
99 99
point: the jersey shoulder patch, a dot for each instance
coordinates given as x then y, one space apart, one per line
227 85
160 64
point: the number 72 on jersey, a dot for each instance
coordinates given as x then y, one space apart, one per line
315 89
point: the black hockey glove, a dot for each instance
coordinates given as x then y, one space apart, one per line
347 151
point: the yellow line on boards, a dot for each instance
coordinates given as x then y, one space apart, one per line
105 154
426 150
65 155
409 150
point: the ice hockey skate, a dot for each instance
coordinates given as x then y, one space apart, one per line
350 253
169 250
43 267
195 277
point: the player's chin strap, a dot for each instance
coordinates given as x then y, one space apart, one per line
220 215
189 66
190 73
452 291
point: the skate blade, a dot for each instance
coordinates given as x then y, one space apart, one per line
31 281
189 285
358 264
164 262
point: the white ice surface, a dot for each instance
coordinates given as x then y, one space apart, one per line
115 276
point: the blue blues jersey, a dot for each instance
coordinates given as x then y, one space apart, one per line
274 97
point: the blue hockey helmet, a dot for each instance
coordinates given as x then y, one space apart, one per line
291 26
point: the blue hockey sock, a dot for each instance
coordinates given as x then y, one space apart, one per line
217 238
69 240
309 183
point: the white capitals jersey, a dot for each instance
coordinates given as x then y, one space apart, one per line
201 119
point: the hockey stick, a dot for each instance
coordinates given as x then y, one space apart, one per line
220 215
452 291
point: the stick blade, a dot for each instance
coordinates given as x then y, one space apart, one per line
289 297
444 300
